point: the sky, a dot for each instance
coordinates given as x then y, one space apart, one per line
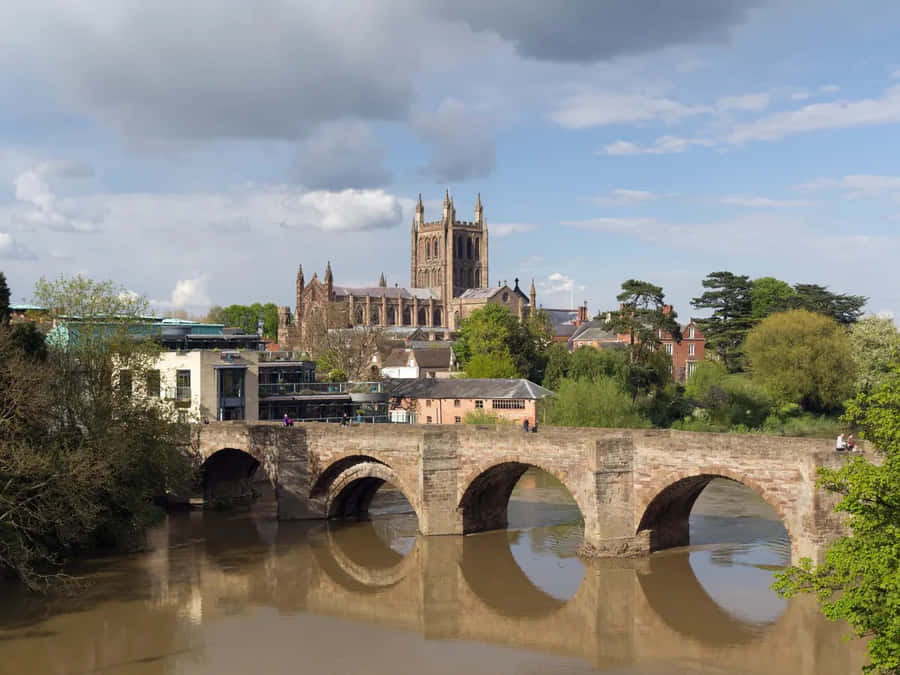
197 153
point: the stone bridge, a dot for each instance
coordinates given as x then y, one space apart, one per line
635 488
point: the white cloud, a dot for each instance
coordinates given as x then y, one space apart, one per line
623 197
753 201
187 294
561 285
829 88
800 96
42 207
746 102
344 211
10 249
664 145
500 230
821 116
885 314
591 109
855 186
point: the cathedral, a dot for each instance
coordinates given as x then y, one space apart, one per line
448 280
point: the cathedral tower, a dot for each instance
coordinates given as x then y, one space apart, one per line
449 256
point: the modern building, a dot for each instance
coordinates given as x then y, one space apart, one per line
448 280
447 401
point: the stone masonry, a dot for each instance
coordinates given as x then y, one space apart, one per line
635 488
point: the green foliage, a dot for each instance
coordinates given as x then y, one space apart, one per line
706 374
802 358
492 333
79 462
4 300
558 363
803 424
845 309
29 340
594 403
859 581
730 299
485 417
246 317
874 344
769 296
642 315
588 363
497 364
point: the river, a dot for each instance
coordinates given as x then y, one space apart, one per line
242 594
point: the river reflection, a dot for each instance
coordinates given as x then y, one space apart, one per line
239 593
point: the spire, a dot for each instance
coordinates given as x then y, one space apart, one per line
300 277
328 276
381 282
447 197
533 294
420 207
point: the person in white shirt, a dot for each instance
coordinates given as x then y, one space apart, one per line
839 444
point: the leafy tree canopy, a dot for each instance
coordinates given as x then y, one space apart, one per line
496 364
844 309
801 357
246 317
492 332
770 295
642 314
730 299
874 346
859 582
601 402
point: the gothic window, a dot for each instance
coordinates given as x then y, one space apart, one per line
359 315
391 316
427 249
437 316
434 247
477 277
374 317
423 317
407 316
477 248
471 278
469 248
459 247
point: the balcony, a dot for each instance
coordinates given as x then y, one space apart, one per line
355 389
283 357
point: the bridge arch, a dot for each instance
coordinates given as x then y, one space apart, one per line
228 473
666 510
487 489
346 488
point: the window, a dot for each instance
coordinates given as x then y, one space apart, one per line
456 403
428 403
153 387
183 385
508 404
479 404
428 420
691 349
691 332
427 249
457 420
125 382
669 348
690 367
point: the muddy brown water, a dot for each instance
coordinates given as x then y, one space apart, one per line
242 594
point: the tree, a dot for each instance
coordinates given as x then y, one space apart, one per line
4 300
874 346
770 295
349 353
493 332
247 317
730 299
845 309
859 581
216 314
601 402
642 315
81 459
496 364
803 358
558 362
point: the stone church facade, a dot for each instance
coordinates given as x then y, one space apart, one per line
448 281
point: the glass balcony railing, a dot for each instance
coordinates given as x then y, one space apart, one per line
319 388
283 357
